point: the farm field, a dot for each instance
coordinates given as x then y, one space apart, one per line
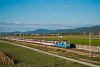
75 39
61 51
27 58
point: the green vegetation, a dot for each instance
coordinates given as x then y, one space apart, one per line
61 51
77 39
28 58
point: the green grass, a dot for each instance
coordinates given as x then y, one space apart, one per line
62 52
78 39
28 58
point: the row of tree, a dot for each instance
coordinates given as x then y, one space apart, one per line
56 34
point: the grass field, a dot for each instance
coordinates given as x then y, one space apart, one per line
28 58
62 52
78 39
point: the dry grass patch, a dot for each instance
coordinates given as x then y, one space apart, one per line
5 60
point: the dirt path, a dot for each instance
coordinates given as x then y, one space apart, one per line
77 51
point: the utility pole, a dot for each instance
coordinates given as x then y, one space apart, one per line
11 36
0 35
58 36
90 53
23 38
43 37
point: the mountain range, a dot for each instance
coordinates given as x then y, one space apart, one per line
95 29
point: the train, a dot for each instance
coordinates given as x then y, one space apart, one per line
61 44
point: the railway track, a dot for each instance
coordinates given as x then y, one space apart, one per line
70 59
72 50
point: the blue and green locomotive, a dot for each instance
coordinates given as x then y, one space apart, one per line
63 44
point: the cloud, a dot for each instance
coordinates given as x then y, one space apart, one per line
67 6
9 23
18 23
33 24
20 26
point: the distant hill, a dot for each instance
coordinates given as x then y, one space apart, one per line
88 29
39 31
95 29
17 32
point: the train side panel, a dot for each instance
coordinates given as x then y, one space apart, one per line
62 45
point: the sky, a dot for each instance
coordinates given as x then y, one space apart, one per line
30 15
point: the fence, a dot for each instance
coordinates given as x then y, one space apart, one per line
87 47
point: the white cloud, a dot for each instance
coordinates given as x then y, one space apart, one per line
33 24
17 23
8 22
67 6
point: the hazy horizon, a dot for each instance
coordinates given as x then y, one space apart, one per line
47 29
30 15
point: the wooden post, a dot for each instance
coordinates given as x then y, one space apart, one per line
90 53
85 47
97 50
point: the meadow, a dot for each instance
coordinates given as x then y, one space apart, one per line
60 51
74 39
27 58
